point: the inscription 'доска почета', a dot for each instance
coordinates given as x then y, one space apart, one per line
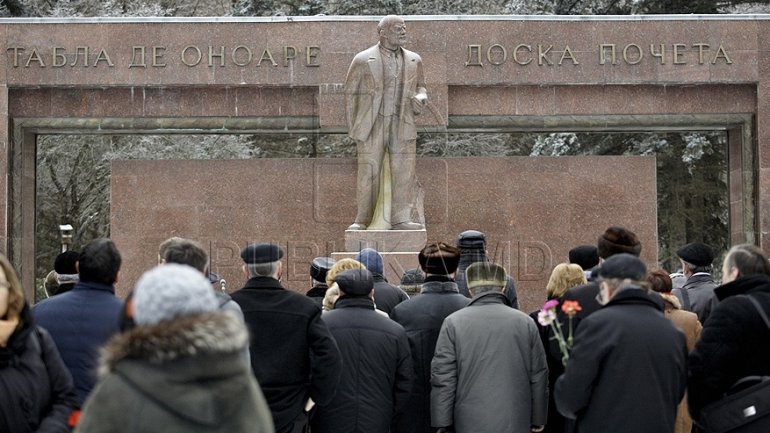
607 53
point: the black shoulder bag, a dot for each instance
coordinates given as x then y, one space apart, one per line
745 408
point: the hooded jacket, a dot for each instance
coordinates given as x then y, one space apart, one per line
733 343
181 375
489 372
627 368
422 317
37 393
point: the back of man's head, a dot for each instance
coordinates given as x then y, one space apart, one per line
586 256
471 241
439 258
372 259
485 277
187 252
99 262
616 240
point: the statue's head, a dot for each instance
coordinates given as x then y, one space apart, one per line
392 31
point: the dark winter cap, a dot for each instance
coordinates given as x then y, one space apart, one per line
696 253
261 253
355 282
585 256
472 239
439 258
616 240
485 274
622 266
65 262
413 277
370 258
320 266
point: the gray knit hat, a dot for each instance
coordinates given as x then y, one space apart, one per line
170 291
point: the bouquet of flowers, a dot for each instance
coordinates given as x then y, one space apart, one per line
547 317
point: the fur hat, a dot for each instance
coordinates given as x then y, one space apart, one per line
616 240
261 253
370 258
485 274
439 258
622 266
471 240
355 282
319 267
696 253
170 291
585 256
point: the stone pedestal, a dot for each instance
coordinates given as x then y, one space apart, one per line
399 248
386 241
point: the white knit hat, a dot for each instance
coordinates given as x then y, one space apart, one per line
169 291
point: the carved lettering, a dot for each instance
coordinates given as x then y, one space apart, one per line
157 57
721 54
677 55
311 53
660 54
289 54
197 55
59 60
700 47
638 56
603 55
471 60
140 63
16 53
516 54
103 57
568 55
237 58
543 55
267 55
34 56
503 56
77 54
220 55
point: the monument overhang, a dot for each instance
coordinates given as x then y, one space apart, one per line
483 73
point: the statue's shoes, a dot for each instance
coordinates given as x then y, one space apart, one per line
408 225
357 226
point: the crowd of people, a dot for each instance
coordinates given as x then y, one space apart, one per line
617 347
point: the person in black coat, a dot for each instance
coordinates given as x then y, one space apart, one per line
733 343
293 355
627 371
421 317
377 365
614 240
386 295
37 392
319 267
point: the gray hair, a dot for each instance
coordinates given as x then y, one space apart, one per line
262 269
486 289
695 268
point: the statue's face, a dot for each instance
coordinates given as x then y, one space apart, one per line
393 35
